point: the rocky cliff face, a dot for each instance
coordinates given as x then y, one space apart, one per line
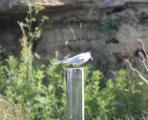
107 28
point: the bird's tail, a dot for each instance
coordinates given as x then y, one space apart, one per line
62 62
54 62
57 62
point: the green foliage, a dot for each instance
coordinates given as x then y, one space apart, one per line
31 26
41 92
131 96
124 96
97 98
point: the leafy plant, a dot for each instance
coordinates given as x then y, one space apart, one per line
130 93
123 97
41 92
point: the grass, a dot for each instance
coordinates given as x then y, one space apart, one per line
9 110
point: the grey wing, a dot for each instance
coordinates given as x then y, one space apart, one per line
73 61
77 61
66 61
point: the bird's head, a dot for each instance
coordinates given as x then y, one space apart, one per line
90 56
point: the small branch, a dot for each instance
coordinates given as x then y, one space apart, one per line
143 61
143 78
141 43
145 66
136 71
22 28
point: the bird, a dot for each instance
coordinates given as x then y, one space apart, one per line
78 60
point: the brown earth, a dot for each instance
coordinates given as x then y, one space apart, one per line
108 29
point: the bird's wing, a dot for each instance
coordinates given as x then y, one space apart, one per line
78 61
74 60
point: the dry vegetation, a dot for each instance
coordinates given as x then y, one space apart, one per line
9 110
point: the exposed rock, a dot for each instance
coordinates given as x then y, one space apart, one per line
21 4
78 32
107 28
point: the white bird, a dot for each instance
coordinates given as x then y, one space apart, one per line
78 59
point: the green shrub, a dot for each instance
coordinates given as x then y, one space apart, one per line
131 96
124 96
39 89
97 98
41 92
